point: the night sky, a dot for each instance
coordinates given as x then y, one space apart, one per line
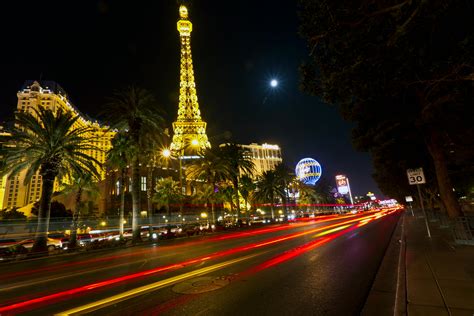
93 47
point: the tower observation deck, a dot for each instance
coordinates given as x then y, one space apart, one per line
189 130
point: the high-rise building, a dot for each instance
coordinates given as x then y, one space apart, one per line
189 128
48 94
265 157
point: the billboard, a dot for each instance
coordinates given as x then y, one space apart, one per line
342 184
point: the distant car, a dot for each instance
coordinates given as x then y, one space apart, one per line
61 237
7 242
6 254
84 239
52 244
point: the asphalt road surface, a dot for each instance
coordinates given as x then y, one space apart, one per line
318 267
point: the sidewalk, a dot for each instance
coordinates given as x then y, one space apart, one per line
439 273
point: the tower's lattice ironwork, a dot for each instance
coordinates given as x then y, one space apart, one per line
189 128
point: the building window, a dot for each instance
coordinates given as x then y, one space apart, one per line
143 183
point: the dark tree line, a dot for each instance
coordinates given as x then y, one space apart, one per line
403 71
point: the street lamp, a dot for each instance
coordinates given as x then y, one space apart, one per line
166 153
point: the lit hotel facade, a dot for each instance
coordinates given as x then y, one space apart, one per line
48 94
265 157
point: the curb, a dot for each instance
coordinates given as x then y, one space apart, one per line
387 295
401 300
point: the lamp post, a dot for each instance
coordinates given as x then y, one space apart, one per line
167 154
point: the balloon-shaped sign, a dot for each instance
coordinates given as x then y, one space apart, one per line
308 171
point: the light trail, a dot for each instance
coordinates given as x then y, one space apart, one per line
93 286
150 287
235 235
297 251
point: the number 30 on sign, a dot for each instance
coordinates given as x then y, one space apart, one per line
416 176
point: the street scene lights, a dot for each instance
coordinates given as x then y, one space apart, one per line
166 153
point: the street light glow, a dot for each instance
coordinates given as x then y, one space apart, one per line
166 153
195 142
274 83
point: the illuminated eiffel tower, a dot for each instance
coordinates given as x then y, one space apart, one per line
189 129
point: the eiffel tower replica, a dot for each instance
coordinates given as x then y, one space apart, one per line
189 129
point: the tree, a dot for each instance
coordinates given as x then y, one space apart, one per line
395 67
269 188
227 194
284 175
238 161
81 184
58 210
246 189
49 143
119 157
13 214
211 168
167 191
134 111
208 194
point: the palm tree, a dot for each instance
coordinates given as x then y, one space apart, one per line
49 143
246 188
119 157
134 110
308 194
207 194
269 188
80 185
167 191
212 169
285 177
226 192
238 162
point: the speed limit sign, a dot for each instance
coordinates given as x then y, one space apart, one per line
416 176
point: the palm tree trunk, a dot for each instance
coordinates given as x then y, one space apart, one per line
237 201
247 212
75 218
271 205
168 215
122 201
213 213
47 186
135 199
149 196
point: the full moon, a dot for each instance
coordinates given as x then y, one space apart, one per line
273 83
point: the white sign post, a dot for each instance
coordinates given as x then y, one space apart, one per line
409 199
417 177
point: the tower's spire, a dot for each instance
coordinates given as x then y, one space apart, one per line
189 129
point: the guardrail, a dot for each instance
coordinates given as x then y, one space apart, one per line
463 230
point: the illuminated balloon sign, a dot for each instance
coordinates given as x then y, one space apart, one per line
308 171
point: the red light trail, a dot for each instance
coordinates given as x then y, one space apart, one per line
256 232
279 259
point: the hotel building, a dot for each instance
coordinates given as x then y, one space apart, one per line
48 94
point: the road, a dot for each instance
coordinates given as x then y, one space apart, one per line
319 267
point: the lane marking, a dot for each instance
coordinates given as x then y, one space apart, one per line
231 251
329 231
151 287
